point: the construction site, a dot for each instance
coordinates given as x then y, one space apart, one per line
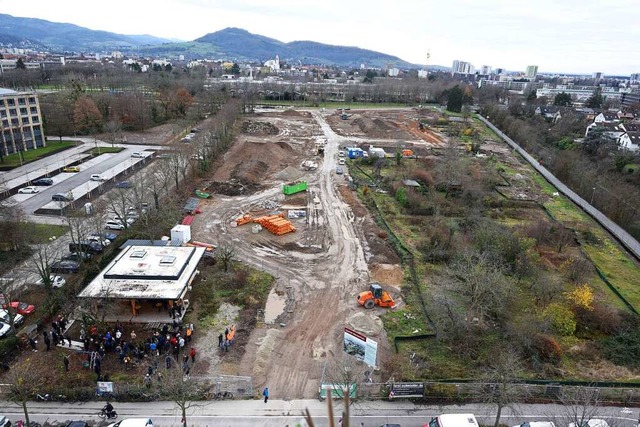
278 203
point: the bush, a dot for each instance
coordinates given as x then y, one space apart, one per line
624 347
547 348
561 318
8 345
599 319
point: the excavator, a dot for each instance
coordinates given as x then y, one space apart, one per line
375 296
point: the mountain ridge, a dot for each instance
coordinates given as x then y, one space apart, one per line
230 43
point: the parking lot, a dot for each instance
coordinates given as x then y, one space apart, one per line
113 168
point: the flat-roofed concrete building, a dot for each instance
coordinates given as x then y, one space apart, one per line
20 122
143 281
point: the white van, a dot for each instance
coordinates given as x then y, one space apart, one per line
537 424
133 422
454 420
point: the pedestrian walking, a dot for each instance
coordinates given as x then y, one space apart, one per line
147 380
192 354
265 393
65 360
220 340
189 332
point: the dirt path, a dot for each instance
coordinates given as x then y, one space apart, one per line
320 270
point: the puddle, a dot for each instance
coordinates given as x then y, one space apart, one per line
274 307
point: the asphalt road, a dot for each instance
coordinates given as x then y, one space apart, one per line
289 413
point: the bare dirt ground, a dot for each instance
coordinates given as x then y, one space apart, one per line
319 269
376 126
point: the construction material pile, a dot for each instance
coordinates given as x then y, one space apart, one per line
274 223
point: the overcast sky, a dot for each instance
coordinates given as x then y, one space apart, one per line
568 36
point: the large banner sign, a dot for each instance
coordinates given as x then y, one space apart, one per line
358 345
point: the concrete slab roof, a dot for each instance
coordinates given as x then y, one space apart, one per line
146 272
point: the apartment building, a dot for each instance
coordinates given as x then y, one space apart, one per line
20 121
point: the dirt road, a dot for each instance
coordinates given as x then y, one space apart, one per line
320 271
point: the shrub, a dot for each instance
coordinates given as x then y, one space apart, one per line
547 348
8 345
581 297
561 318
624 347
598 319
423 176
401 196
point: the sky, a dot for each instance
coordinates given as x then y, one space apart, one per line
563 36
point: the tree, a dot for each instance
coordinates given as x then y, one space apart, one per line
225 255
502 380
180 388
44 256
455 99
581 404
596 99
25 381
113 127
86 115
562 99
532 96
235 69
20 64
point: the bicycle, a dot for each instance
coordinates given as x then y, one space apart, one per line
46 397
223 395
108 415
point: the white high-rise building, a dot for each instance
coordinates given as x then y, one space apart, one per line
461 67
485 70
532 71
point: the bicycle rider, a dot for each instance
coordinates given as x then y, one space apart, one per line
108 409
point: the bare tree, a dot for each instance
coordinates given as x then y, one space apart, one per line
43 257
581 404
113 127
25 381
180 388
502 378
225 255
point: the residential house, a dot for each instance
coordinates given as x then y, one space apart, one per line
552 113
630 141
631 127
607 117
612 130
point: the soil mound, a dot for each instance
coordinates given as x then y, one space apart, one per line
387 274
234 187
259 128
252 171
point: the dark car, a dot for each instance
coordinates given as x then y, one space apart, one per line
61 197
105 235
86 246
123 184
43 181
65 267
77 424
77 256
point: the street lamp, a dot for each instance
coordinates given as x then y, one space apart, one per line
592 195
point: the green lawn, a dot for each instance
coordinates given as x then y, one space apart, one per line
103 150
14 160
352 105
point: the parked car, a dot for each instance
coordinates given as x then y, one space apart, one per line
138 154
42 182
133 422
105 235
77 256
86 246
594 422
61 197
20 307
71 169
341 162
65 267
97 177
537 424
56 281
77 424
119 219
99 240
5 316
5 329
113 224
341 153
123 184
339 171
4 421
29 190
